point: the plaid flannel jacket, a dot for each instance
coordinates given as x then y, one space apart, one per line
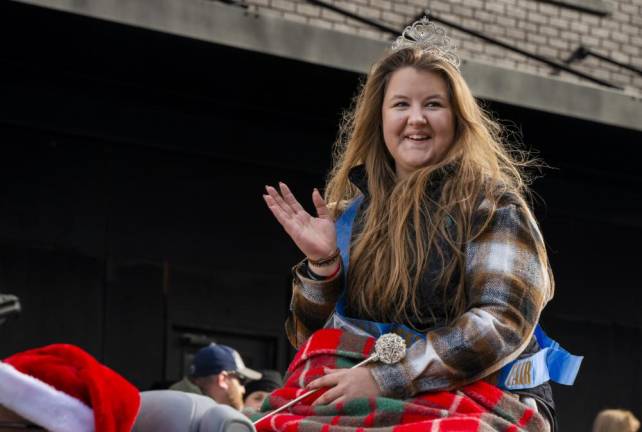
508 284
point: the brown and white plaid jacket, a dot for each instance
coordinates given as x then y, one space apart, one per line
508 284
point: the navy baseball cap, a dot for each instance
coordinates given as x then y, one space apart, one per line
214 359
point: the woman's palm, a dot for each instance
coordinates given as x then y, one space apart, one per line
315 236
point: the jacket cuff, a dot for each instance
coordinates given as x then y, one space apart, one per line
392 380
317 291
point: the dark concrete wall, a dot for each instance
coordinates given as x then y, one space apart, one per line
132 166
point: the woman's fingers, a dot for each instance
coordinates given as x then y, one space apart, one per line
289 198
276 210
315 384
278 199
328 380
340 399
329 397
320 205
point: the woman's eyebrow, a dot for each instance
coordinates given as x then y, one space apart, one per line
431 96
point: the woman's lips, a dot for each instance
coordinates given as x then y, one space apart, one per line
418 137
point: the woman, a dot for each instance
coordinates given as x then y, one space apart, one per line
443 242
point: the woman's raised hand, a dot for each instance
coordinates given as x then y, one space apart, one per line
315 236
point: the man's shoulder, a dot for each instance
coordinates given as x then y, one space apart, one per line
185 385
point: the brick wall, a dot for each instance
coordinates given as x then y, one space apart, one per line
535 26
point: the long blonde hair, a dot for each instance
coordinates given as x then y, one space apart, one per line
402 226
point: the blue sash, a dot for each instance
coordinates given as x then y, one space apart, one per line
551 362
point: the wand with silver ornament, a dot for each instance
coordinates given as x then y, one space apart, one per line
390 348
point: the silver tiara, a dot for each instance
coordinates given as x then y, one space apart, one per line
429 38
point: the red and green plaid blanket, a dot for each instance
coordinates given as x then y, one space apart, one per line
476 407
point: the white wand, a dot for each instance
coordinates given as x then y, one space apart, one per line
389 349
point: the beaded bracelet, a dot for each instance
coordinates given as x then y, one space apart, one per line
317 277
326 261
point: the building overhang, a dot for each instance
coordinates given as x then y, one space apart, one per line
233 26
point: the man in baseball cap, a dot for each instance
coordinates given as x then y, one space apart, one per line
218 371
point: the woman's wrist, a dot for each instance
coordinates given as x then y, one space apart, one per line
326 272
327 266
326 261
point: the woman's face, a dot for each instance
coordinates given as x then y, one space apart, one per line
418 122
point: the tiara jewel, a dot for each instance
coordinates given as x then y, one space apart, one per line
429 38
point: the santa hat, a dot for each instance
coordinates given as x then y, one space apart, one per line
64 389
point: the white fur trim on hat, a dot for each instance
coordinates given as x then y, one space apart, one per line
42 404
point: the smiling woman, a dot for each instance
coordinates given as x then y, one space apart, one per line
428 235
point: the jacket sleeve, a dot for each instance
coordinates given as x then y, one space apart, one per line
312 303
508 283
